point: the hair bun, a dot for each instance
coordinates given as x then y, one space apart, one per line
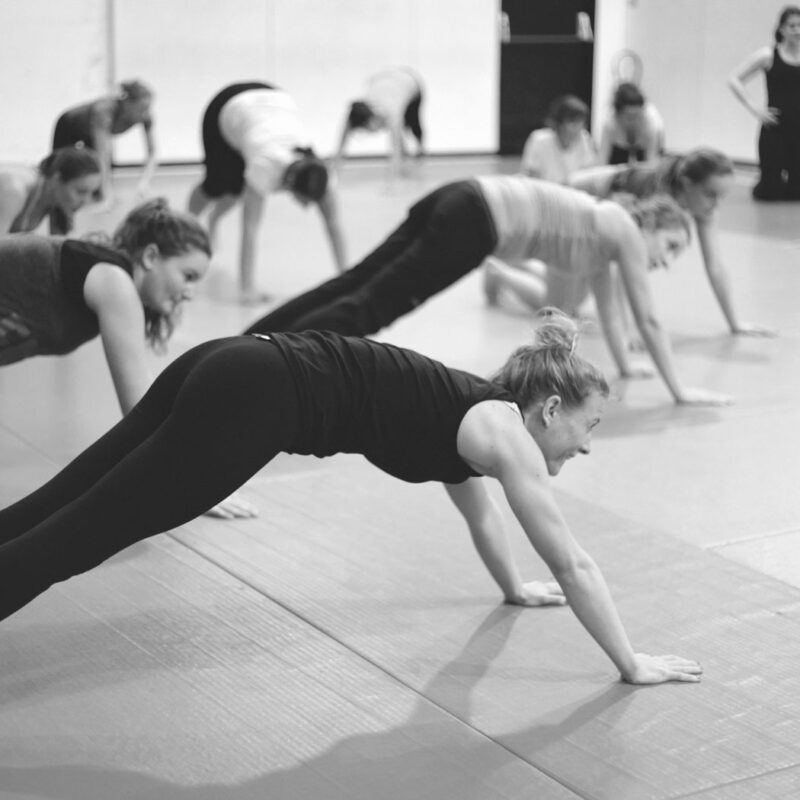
556 330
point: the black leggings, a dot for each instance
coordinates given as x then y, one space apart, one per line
224 165
411 118
779 159
211 420
446 235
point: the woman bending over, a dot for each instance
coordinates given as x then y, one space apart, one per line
515 218
223 410
698 180
63 183
255 145
94 124
56 294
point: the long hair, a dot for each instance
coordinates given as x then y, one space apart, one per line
174 233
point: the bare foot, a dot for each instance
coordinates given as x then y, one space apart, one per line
491 283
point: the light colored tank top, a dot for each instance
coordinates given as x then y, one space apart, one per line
390 91
545 221
264 126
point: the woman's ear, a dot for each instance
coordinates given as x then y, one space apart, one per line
150 255
550 409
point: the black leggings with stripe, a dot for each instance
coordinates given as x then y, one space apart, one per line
211 420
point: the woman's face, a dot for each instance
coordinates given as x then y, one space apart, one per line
631 118
701 199
75 193
569 132
170 280
562 432
791 29
664 245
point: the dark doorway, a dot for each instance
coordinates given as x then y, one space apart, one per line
546 50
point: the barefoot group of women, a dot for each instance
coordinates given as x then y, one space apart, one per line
303 379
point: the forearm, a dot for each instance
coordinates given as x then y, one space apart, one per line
131 389
658 345
330 215
737 87
493 547
590 599
720 285
148 171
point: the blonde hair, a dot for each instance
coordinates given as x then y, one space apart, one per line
655 213
550 365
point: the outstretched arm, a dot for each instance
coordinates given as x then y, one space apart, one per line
253 204
150 164
337 160
720 284
485 524
632 259
498 445
111 294
329 208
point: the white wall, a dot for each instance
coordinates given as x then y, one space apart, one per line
689 47
53 55
321 51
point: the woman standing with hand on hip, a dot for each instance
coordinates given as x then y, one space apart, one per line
779 140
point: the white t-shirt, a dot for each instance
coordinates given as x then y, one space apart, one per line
543 156
650 135
389 92
264 126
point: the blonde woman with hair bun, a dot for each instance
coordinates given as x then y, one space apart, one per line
221 411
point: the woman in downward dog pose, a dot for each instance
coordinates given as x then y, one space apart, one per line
452 230
223 410
256 145
94 124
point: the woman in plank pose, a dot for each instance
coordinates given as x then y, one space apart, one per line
224 409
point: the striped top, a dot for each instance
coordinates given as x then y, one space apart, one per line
536 219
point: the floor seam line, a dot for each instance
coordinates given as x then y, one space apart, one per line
317 627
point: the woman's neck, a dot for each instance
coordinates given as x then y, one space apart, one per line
790 51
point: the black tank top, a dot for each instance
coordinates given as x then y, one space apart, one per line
41 289
783 88
398 408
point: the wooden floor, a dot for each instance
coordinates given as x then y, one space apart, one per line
348 643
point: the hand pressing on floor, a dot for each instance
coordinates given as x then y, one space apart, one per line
661 669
